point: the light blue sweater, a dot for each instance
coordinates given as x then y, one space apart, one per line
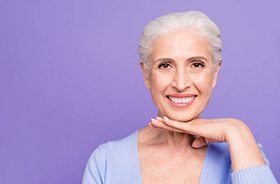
117 162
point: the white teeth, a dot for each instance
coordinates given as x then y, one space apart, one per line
181 100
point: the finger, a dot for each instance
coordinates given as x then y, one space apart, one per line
161 125
159 118
199 142
185 127
164 128
212 132
158 124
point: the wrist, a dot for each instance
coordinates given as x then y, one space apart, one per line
235 129
244 151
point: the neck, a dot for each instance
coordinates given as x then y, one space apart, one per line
173 140
169 139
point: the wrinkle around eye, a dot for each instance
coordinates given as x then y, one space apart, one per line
164 66
201 65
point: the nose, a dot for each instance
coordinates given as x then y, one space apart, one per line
181 80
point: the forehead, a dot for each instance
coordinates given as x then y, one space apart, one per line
180 45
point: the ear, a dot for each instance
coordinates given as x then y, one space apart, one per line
218 67
145 72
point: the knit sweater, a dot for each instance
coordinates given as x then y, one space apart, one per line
117 162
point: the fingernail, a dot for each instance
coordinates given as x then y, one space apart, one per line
158 118
153 119
165 118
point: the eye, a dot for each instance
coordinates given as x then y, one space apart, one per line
164 66
197 64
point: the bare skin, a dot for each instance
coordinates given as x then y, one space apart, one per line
244 151
181 148
176 162
180 77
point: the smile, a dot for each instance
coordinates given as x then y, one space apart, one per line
181 100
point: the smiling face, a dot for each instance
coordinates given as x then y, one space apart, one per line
181 74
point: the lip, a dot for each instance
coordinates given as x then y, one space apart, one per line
181 105
181 95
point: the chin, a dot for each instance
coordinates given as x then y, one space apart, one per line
183 119
182 116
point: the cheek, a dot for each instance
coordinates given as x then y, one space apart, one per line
159 83
204 82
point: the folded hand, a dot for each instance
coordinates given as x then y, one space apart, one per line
243 148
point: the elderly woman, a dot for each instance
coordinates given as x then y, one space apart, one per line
180 59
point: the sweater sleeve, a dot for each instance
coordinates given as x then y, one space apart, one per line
254 175
96 167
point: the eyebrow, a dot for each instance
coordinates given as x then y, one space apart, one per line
163 59
197 58
189 59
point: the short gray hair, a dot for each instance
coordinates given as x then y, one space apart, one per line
181 20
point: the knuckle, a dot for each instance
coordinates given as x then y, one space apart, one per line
237 125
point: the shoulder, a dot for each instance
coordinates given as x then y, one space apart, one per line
263 154
107 156
120 146
115 147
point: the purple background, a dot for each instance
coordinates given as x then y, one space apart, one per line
70 80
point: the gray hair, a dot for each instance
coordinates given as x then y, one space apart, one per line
194 20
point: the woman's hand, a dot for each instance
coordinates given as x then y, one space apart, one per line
205 130
244 151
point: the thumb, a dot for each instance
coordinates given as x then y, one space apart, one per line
199 142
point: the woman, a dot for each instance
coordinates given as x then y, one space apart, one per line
180 59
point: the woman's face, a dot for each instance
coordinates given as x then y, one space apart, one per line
181 74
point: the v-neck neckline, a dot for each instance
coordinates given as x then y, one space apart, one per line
138 164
